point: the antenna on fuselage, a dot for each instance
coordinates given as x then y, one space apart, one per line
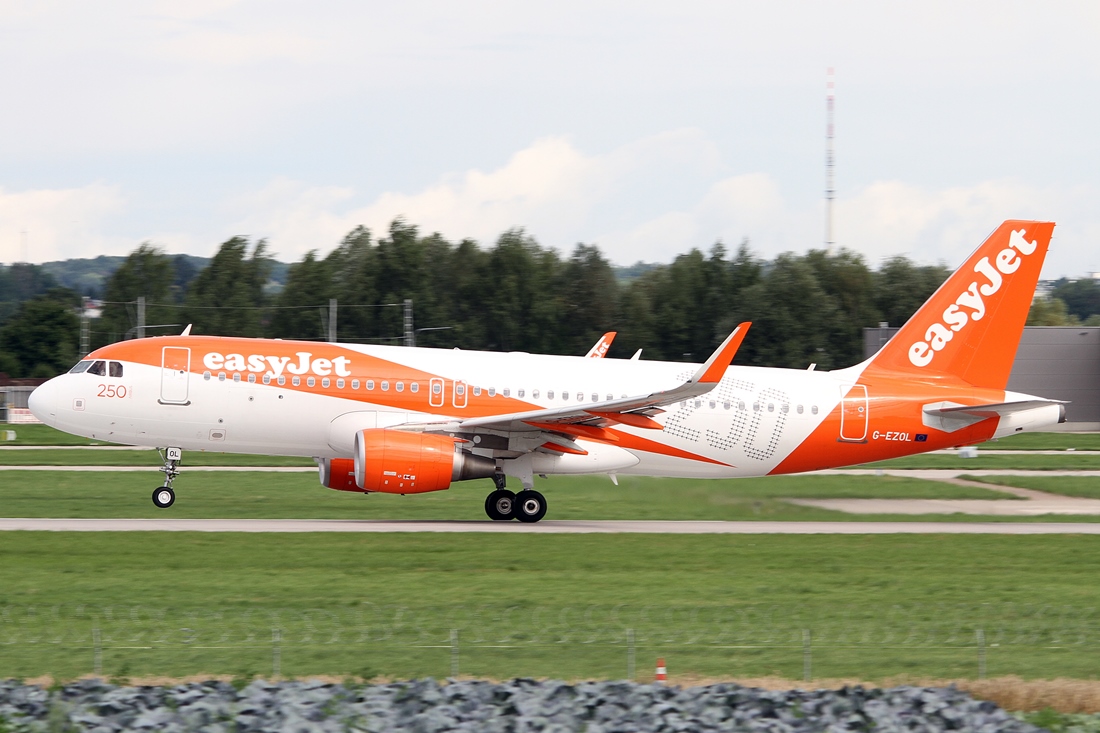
186 331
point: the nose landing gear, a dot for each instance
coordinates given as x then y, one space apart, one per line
164 497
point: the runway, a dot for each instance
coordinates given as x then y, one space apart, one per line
544 527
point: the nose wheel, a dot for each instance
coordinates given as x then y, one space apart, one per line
164 497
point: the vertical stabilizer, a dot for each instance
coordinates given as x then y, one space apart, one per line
971 326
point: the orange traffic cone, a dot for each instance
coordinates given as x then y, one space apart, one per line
662 674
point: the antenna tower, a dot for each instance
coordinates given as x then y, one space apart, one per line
830 162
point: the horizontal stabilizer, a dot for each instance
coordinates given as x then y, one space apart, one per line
951 416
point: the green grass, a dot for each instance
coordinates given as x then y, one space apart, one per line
547 605
44 435
1066 462
1087 487
299 495
139 457
1045 441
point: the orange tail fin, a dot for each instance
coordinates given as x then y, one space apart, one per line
971 326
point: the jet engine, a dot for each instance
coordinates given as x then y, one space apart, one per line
338 473
398 462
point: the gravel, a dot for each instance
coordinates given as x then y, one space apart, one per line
519 706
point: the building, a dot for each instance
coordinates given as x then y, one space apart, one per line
1056 362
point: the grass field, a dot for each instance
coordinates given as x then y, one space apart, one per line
1087 487
1063 462
1045 441
139 457
299 495
555 606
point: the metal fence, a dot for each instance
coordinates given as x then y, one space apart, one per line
620 630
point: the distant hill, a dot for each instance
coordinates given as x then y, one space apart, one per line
88 276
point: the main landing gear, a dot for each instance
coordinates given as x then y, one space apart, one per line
502 505
164 497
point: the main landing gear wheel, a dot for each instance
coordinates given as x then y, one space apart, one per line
164 497
500 505
530 506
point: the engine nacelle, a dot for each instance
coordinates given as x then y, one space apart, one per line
338 473
398 462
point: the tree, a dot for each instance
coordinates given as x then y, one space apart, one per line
302 307
1050 312
149 273
42 339
848 281
226 298
1082 297
900 288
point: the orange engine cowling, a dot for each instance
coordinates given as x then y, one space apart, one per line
397 462
338 473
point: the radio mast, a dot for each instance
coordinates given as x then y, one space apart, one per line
830 162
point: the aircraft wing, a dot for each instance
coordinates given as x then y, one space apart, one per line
599 349
592 419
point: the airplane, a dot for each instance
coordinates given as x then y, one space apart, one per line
599 349
409 420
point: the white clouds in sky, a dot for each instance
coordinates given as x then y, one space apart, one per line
647 127
563 196
50 224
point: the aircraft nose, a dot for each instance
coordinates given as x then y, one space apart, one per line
43 400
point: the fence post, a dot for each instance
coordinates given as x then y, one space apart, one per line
981 653
454 652
276 651
630 673
97 653
807 656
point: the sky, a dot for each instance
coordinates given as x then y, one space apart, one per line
645 128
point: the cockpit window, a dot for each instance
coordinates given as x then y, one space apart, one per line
99 368
116 369
81 367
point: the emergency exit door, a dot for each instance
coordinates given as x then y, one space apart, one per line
175 367
853 414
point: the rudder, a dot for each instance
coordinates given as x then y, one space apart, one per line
971 326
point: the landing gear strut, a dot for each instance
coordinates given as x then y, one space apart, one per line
164 497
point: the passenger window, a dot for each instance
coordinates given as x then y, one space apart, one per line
549 394
281 380
385 386
296 381
565 395
507 392
477 391
267 379
116 369
311 381
534 394
414 387
325 382
370 384
99 369
355 384
437 388
80 367
814 409
400 386
339 384
251 378
799 409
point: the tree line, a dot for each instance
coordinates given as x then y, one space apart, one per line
513 296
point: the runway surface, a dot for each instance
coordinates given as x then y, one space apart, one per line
544 527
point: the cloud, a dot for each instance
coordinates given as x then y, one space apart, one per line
50 224
622 201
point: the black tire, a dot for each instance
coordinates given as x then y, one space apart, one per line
164 497
530 506
500 505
